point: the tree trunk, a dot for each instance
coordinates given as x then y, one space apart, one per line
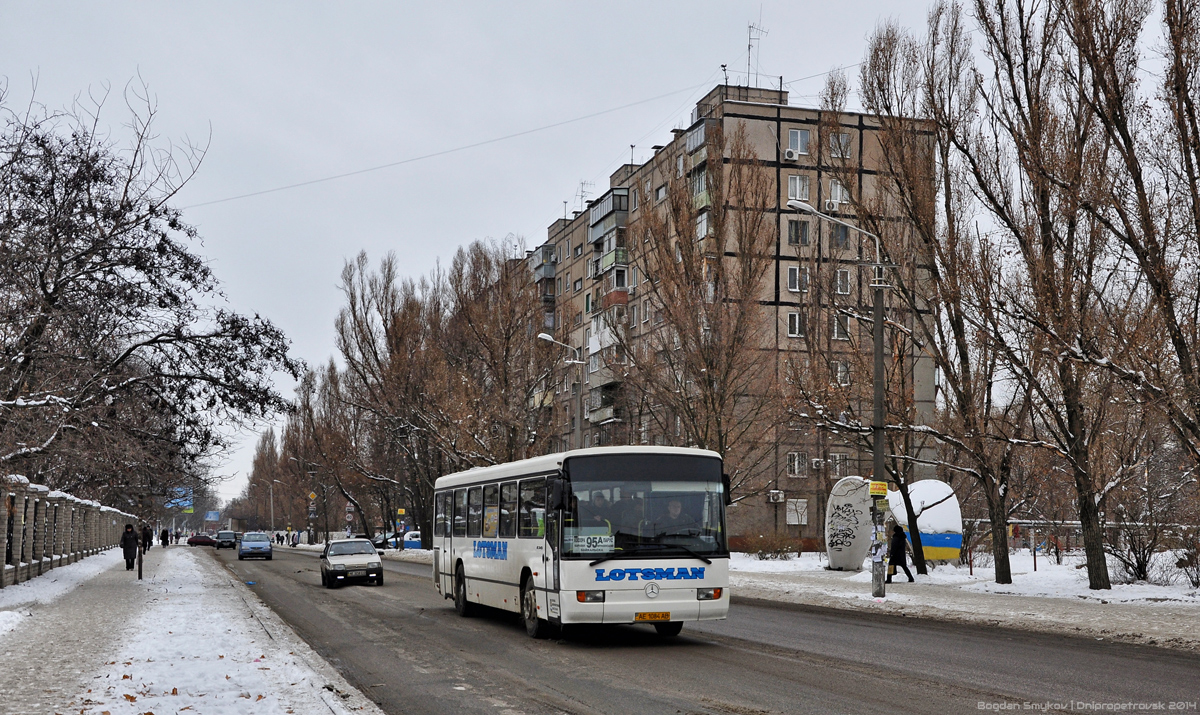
1093 535
998 518
913 532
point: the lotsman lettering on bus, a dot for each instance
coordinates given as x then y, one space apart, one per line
654 574
491 550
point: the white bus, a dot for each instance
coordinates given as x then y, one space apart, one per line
602 535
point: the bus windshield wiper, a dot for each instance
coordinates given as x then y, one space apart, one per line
635 552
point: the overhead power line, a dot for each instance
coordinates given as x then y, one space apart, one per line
444 151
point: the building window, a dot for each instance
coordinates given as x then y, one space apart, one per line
699 182
838 192
579 250
578 318
794 279
633 310
797 512
798 187
840 327
841 372
798 140
660 193
797 464
842 286
795 325
587 303
702 226
578 284
840 238
619 278
633 200
646 311
679 165
797 233
839 145
838 464
558 286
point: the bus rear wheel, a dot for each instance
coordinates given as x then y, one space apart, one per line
462 606
671 628
534 626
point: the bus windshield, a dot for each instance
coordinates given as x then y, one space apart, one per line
638 505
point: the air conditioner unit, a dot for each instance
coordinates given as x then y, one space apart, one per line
818 463
831 205
791 155
775 496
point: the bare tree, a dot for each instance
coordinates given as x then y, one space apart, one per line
702 372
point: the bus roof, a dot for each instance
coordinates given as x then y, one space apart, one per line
549 463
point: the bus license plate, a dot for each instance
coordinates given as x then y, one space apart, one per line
652 616
358 573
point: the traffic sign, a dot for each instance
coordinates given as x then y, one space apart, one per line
878 489
312 495
349 517
400 512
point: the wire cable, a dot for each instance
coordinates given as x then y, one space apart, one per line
442 152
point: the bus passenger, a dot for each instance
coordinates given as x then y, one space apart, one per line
597 512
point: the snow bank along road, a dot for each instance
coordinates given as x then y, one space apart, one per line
404 647
188 638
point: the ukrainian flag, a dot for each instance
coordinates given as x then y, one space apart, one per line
939 547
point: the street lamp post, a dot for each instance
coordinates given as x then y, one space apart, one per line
577 361
271 488
877 433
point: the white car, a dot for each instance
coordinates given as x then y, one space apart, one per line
348 560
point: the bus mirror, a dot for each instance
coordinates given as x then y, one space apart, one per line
725 484
556 497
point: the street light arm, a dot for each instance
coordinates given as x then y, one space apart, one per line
550 339
803 207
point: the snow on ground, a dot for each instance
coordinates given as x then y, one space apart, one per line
206 644
51 585
1054 598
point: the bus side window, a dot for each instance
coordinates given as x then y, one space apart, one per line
491 510
533 509
439 514
474 511
460 512
508 510
447 507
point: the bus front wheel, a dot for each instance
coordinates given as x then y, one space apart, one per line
462 606
534 626
671 628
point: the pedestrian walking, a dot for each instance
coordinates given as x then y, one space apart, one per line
897 555
165 538
129 546
147 538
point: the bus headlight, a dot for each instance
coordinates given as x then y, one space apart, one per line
589 596
708 594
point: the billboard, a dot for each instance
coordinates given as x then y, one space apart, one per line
212 516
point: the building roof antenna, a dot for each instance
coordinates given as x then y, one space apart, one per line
754 33
725 71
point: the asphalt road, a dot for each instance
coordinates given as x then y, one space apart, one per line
404 647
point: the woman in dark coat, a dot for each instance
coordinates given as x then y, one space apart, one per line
147 538
896 557
165 538
129 546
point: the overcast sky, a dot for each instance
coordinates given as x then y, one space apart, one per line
284 93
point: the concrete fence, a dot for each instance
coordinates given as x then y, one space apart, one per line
42 529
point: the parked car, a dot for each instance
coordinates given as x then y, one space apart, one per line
255 543
226 540
347 560
201 540
412 540
388 541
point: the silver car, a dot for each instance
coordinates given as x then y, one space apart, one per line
255 543
348 560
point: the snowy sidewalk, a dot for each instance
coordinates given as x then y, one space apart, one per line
1053 599
188 638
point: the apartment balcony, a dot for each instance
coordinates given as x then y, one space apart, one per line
617 257
616 296
607 375
543 271
603 415
701 200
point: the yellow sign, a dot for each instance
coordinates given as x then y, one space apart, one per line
312 495
878 489
400 512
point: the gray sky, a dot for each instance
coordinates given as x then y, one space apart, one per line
296 91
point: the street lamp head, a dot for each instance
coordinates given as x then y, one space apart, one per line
801 206
545 336
277 481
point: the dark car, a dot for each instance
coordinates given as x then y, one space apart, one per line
201 540
226 539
